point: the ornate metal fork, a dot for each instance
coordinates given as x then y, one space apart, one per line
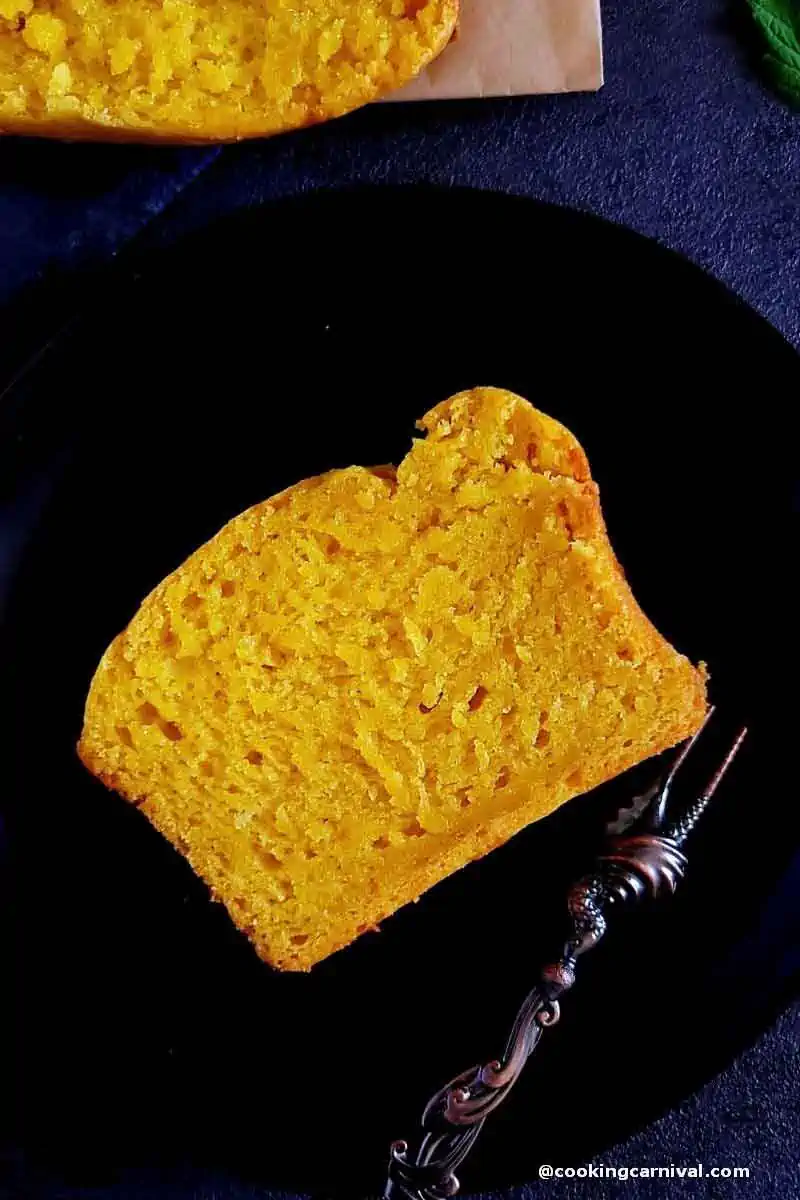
642 857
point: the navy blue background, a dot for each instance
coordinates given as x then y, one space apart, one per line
684 144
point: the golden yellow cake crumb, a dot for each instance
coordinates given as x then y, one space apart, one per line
363 683
205 70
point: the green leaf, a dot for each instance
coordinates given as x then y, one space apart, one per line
779 22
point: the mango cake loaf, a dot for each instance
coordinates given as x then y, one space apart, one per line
205 70
360 685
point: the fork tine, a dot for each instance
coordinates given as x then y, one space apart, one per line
681 830
718 776
687 747
659 807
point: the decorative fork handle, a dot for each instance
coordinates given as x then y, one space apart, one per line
645 861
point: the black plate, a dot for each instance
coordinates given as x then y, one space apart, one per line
215 372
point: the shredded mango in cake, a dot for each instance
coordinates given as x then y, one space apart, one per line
366 681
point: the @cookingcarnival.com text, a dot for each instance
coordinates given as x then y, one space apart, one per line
670 1171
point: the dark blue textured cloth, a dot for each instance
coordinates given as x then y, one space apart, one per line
747 1117
683 144
63 206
